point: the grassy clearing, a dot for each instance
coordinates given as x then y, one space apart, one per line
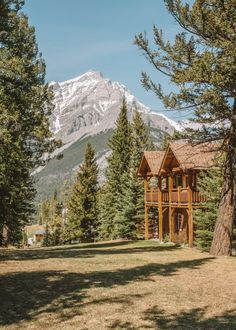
116 285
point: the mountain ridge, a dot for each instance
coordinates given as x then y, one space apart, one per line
86 108
90 104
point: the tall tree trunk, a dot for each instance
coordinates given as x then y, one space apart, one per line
222 240
1 234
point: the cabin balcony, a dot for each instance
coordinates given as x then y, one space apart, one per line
197 197
179 196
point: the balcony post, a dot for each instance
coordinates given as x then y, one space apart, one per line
170 179
160 211
146 224
190 215
146 208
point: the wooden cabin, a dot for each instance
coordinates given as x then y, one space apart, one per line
170 185
35 234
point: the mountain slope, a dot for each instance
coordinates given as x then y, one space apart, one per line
86 109
56 172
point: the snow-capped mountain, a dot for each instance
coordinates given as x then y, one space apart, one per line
86 109
90 104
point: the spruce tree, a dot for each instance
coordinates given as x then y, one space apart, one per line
25 103
82 213
201 62
44 212
50 215
47 237
141 142
55 220
115 216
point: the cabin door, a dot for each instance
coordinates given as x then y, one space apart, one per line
180 227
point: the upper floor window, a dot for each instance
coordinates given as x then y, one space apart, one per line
164 183
177 181
153 182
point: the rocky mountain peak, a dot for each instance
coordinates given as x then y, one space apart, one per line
89 104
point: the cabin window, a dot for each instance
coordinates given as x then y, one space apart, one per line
177 181
153 182
164 183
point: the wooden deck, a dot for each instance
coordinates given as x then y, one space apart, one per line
179 196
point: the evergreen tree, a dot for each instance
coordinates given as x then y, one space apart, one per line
82 205
47 237
43 212
115 215
209 184
56 230
201 61
141 141
55 220
25 103
50 215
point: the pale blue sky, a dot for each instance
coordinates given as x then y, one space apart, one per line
75 36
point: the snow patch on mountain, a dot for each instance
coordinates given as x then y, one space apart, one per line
90 104
57 125
176 125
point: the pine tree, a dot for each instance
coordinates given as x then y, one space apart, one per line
141 142
24 108
47 237
55 220
50 215
43 212
82 205
201 61
56 230
209 184
115 219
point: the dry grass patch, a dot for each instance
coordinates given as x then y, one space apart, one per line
116 285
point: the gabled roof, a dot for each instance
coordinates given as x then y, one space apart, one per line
200 156
180 154
150 163
35 230
40 232
189 156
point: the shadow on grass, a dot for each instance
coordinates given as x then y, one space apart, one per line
83 251
194 319
28 294
191 319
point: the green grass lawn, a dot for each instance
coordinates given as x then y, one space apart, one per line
116 285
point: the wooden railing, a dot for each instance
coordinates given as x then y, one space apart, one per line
165 196
198 198
151 196
178 196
